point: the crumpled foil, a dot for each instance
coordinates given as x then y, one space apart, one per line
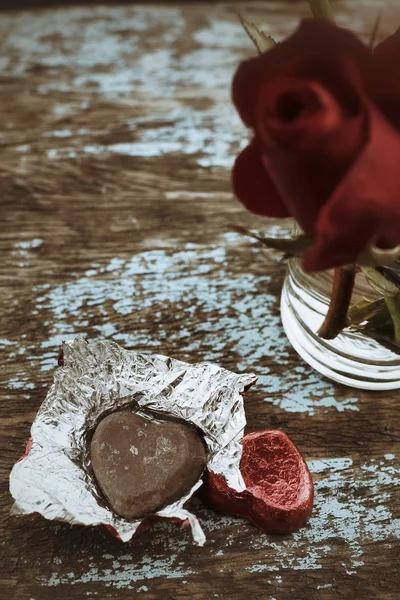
54 480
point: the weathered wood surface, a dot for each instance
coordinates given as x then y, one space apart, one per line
116 138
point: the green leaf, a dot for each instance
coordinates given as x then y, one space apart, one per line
289 245
321 9
391 274
380 328
365 310
262 42
380 321
393 304
379 282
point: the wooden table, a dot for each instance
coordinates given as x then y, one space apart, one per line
116 140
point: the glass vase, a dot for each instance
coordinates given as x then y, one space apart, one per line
352 358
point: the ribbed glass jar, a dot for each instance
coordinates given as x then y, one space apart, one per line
352 358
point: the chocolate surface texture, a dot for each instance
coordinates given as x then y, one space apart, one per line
142 464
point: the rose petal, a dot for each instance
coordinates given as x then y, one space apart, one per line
322 43
384 80
252 185
307 109
388 52
366 204
307 160
300 116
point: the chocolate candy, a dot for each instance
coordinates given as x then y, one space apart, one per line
279 489
142 465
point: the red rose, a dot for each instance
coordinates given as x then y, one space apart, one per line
326 148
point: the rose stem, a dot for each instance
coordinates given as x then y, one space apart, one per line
393 304
336 317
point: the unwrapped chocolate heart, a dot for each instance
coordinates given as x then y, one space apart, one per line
143 464
279 489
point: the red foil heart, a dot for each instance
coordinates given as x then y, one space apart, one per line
279 490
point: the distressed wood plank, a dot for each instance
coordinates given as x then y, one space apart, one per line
117 137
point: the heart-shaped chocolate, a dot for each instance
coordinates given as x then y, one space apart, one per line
141 465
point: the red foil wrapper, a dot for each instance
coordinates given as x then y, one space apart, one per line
279 490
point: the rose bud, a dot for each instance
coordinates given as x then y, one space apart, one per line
279 489
325 113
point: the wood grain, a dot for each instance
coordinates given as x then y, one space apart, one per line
116 140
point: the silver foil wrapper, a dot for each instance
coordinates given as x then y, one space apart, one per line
54 478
